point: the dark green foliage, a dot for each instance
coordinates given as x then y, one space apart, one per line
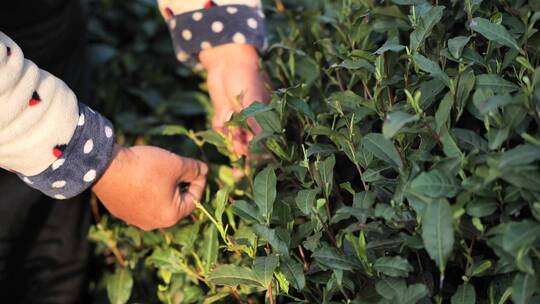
406 146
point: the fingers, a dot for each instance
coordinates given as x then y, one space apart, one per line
193 194
190 170
194 172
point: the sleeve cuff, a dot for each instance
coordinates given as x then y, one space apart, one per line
80 163
206 28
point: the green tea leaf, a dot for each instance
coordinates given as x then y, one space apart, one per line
456 45
438 232
363 200
391 45
430 89
481 207
435 184
264 268
210 247
520 234
523 178
413 294
494 32
425 26
168 259
469 140
390 288
393 266
255 109
332 259
466 85
276 241
325 174
305 200
265 192
246 211
495 83
221 202
432 68
465 294
383 149
395 121
119 286
520 155
294 273
491 103
169 130
442 116
523 287
232 275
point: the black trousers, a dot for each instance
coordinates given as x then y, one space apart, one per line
44 251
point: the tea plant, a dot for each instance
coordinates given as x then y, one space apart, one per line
404 153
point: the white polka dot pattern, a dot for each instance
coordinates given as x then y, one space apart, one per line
239 38
59 184
217 27
214 26
232 10
57 163
205 45
197 16
81 120
88 146
108 132
81 163
186 34
252 23
90 176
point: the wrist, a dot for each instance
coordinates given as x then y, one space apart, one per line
229 55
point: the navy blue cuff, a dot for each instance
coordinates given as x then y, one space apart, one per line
81 162
198 30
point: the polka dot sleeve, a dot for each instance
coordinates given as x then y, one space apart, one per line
54 143
79 163
215 25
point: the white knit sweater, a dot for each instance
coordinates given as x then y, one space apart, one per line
43 127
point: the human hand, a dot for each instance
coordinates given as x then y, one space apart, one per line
235 81
141 186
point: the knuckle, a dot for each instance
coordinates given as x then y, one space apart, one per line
203 168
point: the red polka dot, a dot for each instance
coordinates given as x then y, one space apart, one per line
168 13
35 99
59 150
209 4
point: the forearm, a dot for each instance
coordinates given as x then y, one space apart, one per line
54 143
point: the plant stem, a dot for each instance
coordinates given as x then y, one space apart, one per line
328 230
236 295
118 255
218 226
270 295
302 255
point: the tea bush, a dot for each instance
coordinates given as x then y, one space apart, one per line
404 153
